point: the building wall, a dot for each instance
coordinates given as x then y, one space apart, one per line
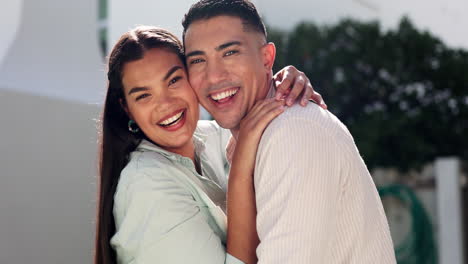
48 171
51 81
55 52
10 16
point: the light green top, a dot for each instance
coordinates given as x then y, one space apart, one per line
165 212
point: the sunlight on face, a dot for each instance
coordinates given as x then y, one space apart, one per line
227 67
160 100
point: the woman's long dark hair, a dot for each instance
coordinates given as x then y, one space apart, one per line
116 141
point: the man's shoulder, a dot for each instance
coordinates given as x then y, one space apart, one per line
296 119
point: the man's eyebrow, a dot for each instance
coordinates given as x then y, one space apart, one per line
226 45
194 53
137 89
171 71
220 47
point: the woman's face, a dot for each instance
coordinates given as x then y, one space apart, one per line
160 99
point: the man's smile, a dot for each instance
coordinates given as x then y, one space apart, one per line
224 96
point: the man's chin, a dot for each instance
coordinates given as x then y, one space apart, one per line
227 123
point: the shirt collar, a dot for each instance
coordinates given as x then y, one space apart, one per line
198 139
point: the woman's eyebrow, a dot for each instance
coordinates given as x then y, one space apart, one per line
137 89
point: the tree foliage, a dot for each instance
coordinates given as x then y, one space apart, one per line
403 94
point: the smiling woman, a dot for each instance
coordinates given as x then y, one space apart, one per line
150 178
159 98
162 172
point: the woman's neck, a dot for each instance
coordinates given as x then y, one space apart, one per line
188 150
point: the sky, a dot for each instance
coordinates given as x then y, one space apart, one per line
446 19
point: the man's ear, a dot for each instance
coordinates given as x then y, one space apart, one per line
268 55
125 108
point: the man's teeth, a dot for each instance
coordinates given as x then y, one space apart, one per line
224 94
171 119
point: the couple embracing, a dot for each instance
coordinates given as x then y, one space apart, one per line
273 180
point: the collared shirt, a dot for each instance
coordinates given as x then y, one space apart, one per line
316 201
165 212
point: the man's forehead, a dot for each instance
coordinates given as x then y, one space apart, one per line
213 32
228 23
220 21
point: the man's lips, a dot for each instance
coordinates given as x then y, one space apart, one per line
224 95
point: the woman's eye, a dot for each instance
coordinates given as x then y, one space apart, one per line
174 80
231 52
141 96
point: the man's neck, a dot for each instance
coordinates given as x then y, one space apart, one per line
267 92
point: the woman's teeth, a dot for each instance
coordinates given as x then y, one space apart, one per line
172 120
223 95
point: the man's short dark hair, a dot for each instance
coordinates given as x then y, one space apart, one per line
243 9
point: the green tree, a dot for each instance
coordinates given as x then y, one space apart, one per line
403 94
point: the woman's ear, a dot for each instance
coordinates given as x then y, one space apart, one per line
125 108
268 55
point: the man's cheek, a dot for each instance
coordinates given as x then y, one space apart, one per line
198 94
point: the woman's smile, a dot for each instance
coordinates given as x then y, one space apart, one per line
174 121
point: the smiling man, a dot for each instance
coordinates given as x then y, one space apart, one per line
316 201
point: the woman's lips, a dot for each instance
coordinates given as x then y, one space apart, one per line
169 119
175 121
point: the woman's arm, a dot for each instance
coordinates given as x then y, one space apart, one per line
242 239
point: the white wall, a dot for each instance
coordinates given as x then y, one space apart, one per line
124 15
55 52
48 167
51 77
10 16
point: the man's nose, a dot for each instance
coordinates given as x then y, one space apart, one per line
216 72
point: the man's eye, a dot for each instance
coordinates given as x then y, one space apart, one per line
231 52
141 96
174 80
195 61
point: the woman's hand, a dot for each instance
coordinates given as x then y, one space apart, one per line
291 83
242 238
254 123
250 133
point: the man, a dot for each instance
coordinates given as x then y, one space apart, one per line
316 202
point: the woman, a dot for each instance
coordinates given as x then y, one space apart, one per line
162 177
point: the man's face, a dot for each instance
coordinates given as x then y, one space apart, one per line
228 68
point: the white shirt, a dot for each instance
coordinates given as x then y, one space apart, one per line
316 201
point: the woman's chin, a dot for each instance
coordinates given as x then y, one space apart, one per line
173 141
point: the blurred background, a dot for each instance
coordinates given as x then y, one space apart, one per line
395 72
